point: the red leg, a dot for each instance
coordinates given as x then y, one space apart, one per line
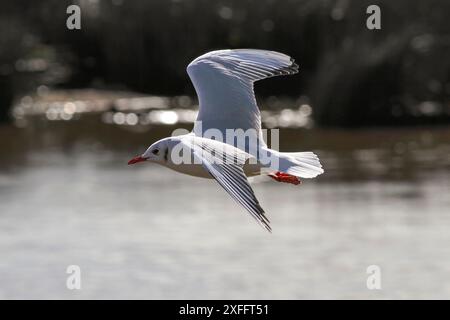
284 177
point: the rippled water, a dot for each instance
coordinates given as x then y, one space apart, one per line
67 197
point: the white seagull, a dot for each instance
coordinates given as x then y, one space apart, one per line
223 80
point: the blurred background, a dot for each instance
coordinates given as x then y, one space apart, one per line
75 105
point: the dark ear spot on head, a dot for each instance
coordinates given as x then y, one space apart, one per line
166 154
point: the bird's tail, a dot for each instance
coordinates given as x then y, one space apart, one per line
299 164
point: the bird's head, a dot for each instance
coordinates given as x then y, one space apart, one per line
157 152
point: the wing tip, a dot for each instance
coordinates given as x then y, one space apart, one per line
290 66
263 220
294 67
266 224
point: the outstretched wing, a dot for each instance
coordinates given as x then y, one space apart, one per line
225 164
224 80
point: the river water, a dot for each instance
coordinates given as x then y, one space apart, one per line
67 197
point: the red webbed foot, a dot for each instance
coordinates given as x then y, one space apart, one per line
284 177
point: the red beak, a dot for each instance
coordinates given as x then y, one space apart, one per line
136 160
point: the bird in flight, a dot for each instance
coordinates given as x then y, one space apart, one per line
226 143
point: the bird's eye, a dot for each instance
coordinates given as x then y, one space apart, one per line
155 151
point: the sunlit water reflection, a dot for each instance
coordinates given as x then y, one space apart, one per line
68 197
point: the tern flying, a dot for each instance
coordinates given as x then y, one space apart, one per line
223 81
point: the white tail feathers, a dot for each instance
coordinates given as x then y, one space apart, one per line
305 164
299 164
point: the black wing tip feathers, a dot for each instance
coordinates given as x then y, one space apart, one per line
265 222
262 218
293 68
288 70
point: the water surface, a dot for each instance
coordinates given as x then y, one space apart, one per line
67 197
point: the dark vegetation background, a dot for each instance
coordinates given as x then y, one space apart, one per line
75 106
353 76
